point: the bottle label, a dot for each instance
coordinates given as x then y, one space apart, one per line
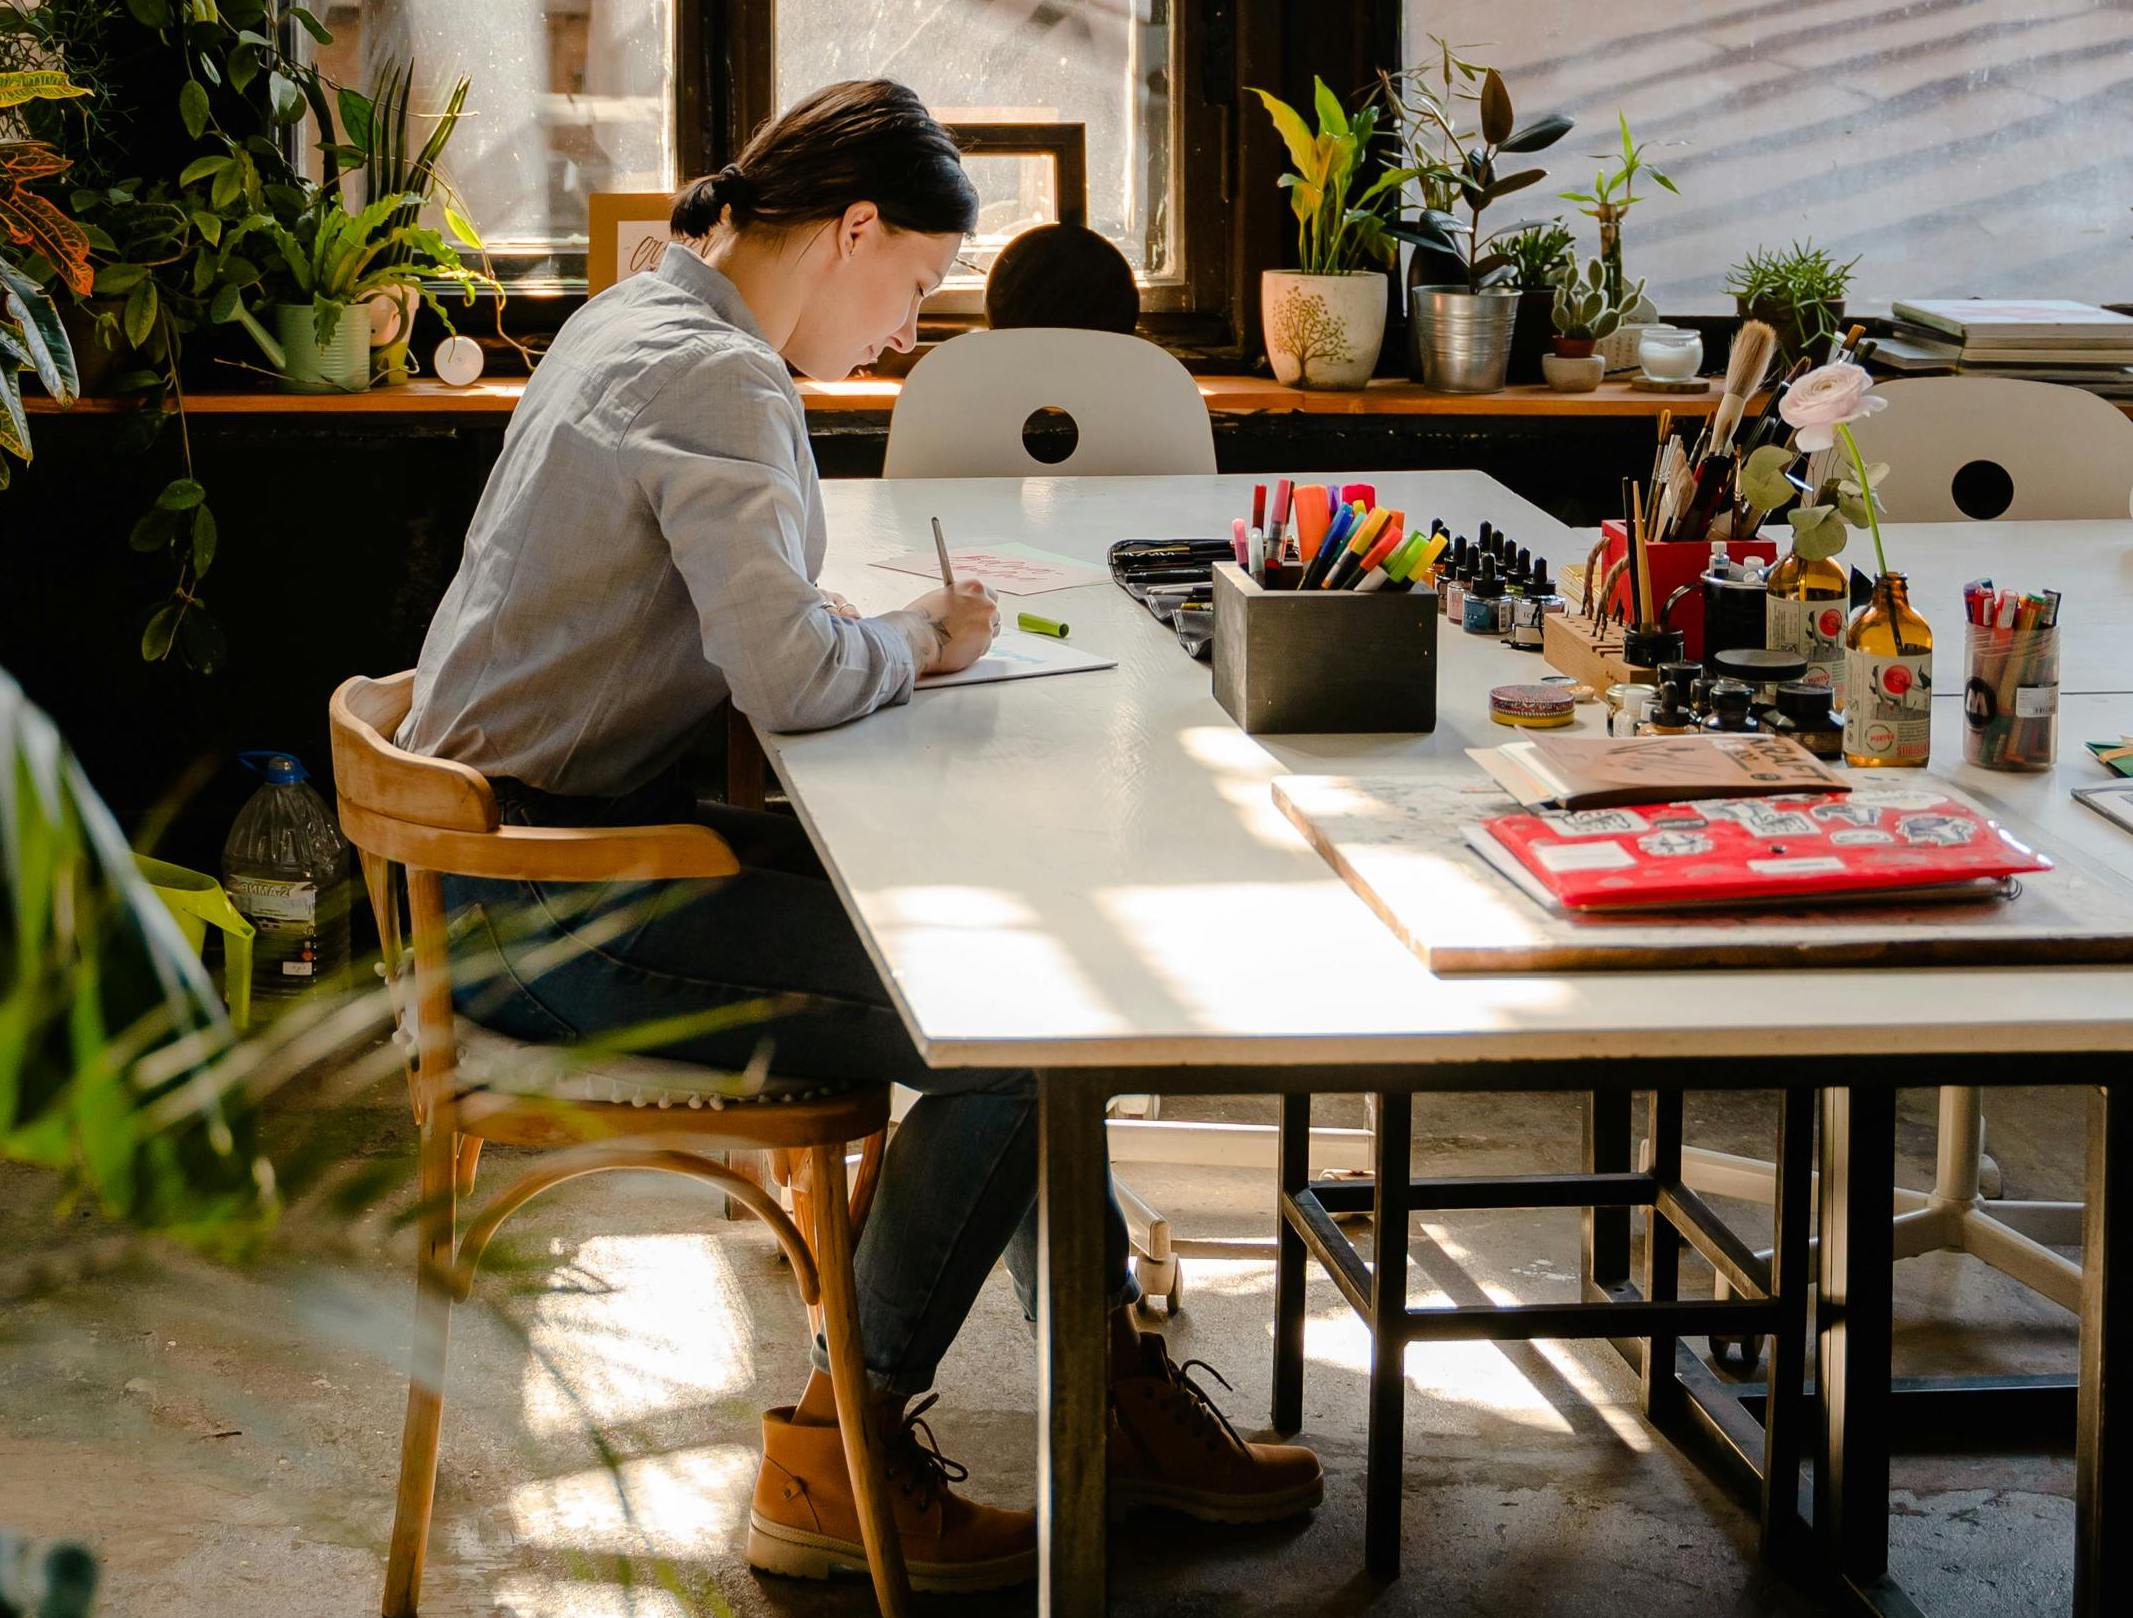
1889 717
286 916
1813 630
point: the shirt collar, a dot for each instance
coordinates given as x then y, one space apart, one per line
684 267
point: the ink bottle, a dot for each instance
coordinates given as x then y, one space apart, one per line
1730 704
1804 714
1888 682
1484 606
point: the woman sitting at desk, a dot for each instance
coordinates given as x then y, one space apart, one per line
647 546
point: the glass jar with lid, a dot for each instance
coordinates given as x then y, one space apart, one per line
1670 353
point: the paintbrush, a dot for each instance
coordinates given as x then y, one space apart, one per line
1646 617
1753 346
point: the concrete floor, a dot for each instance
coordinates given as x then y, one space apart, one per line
226 1440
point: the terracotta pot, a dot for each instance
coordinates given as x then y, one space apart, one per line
1573 348
1322 331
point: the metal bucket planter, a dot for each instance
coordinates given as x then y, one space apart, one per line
1461 340
1322 331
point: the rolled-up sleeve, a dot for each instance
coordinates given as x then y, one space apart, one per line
715 453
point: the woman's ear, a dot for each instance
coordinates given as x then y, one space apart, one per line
861 220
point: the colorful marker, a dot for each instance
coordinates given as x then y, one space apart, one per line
1034 625
1314 512
1350 561
1329 548
1239 542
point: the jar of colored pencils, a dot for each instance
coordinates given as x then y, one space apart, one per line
2011 700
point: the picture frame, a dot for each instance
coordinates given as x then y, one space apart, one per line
626 232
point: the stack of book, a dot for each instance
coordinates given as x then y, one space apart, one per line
2032 340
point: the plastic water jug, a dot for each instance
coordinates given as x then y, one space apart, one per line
285 868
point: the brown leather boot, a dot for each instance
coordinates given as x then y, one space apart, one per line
806 1522
1171 1447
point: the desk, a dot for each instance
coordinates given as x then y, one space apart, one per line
1071 874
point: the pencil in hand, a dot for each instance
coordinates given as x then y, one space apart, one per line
940 546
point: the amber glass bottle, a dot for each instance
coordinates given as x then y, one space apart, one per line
1888 718
1804 614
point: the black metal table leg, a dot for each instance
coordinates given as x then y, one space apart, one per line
1662 1258
2103 1561
1854 1333
1072 1347
1604 1261
1292 1169
1388 1339
1791 1276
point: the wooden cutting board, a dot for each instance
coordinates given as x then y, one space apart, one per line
1400 843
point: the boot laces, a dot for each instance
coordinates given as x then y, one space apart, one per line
1199 1406
914 1450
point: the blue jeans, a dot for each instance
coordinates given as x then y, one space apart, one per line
553 962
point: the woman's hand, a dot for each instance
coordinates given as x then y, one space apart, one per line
963 620
837 604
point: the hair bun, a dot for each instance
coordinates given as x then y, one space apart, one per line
734 189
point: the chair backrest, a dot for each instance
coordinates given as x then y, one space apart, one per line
370 772
2000 448
1136 411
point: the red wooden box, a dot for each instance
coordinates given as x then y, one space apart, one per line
1674 564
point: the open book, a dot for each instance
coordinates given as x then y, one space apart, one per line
1593 772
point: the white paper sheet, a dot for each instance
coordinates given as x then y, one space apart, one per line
1012 569
1016 656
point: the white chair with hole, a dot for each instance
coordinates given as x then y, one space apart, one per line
1136 411
1977 448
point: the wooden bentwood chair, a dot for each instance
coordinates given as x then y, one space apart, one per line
413 820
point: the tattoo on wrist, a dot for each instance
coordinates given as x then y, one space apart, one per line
940 633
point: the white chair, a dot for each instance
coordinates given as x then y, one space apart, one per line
2067 453
1136 411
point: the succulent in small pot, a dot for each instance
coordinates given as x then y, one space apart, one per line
1587 310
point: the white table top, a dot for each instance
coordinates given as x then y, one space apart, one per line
1089 869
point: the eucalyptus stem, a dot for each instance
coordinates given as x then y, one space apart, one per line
1866 494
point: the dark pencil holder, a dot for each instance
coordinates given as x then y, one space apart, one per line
1331 661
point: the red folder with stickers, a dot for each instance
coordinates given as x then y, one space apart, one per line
1903 841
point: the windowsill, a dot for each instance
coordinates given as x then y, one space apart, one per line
1225 396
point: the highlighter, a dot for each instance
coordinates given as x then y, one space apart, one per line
1350 561
1421 566
1314 512
1376 576
1239 543
1382 549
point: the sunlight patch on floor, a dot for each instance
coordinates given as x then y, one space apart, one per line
576 1598
634 1325
681 1504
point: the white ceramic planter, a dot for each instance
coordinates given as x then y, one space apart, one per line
1566 375
1322 331
341 366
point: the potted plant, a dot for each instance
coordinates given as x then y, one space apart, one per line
1324 322
1460 334
1426 106
1610 199
1586 313
1540 261
31 336
1799 291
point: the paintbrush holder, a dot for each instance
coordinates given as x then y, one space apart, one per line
1675 563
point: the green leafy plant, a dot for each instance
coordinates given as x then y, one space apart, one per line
1613 194
1800 288
1335 236
1540 255
31 336
1455 169
1586 309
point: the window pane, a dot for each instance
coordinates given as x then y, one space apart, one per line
1101 63
1969 147
570 97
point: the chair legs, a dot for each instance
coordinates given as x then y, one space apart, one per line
840 1318
437 1180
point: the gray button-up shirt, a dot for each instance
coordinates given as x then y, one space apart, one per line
647 544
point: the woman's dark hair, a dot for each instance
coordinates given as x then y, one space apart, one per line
1062 275
864 140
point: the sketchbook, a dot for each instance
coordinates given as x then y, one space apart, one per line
1016 656
1011 569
